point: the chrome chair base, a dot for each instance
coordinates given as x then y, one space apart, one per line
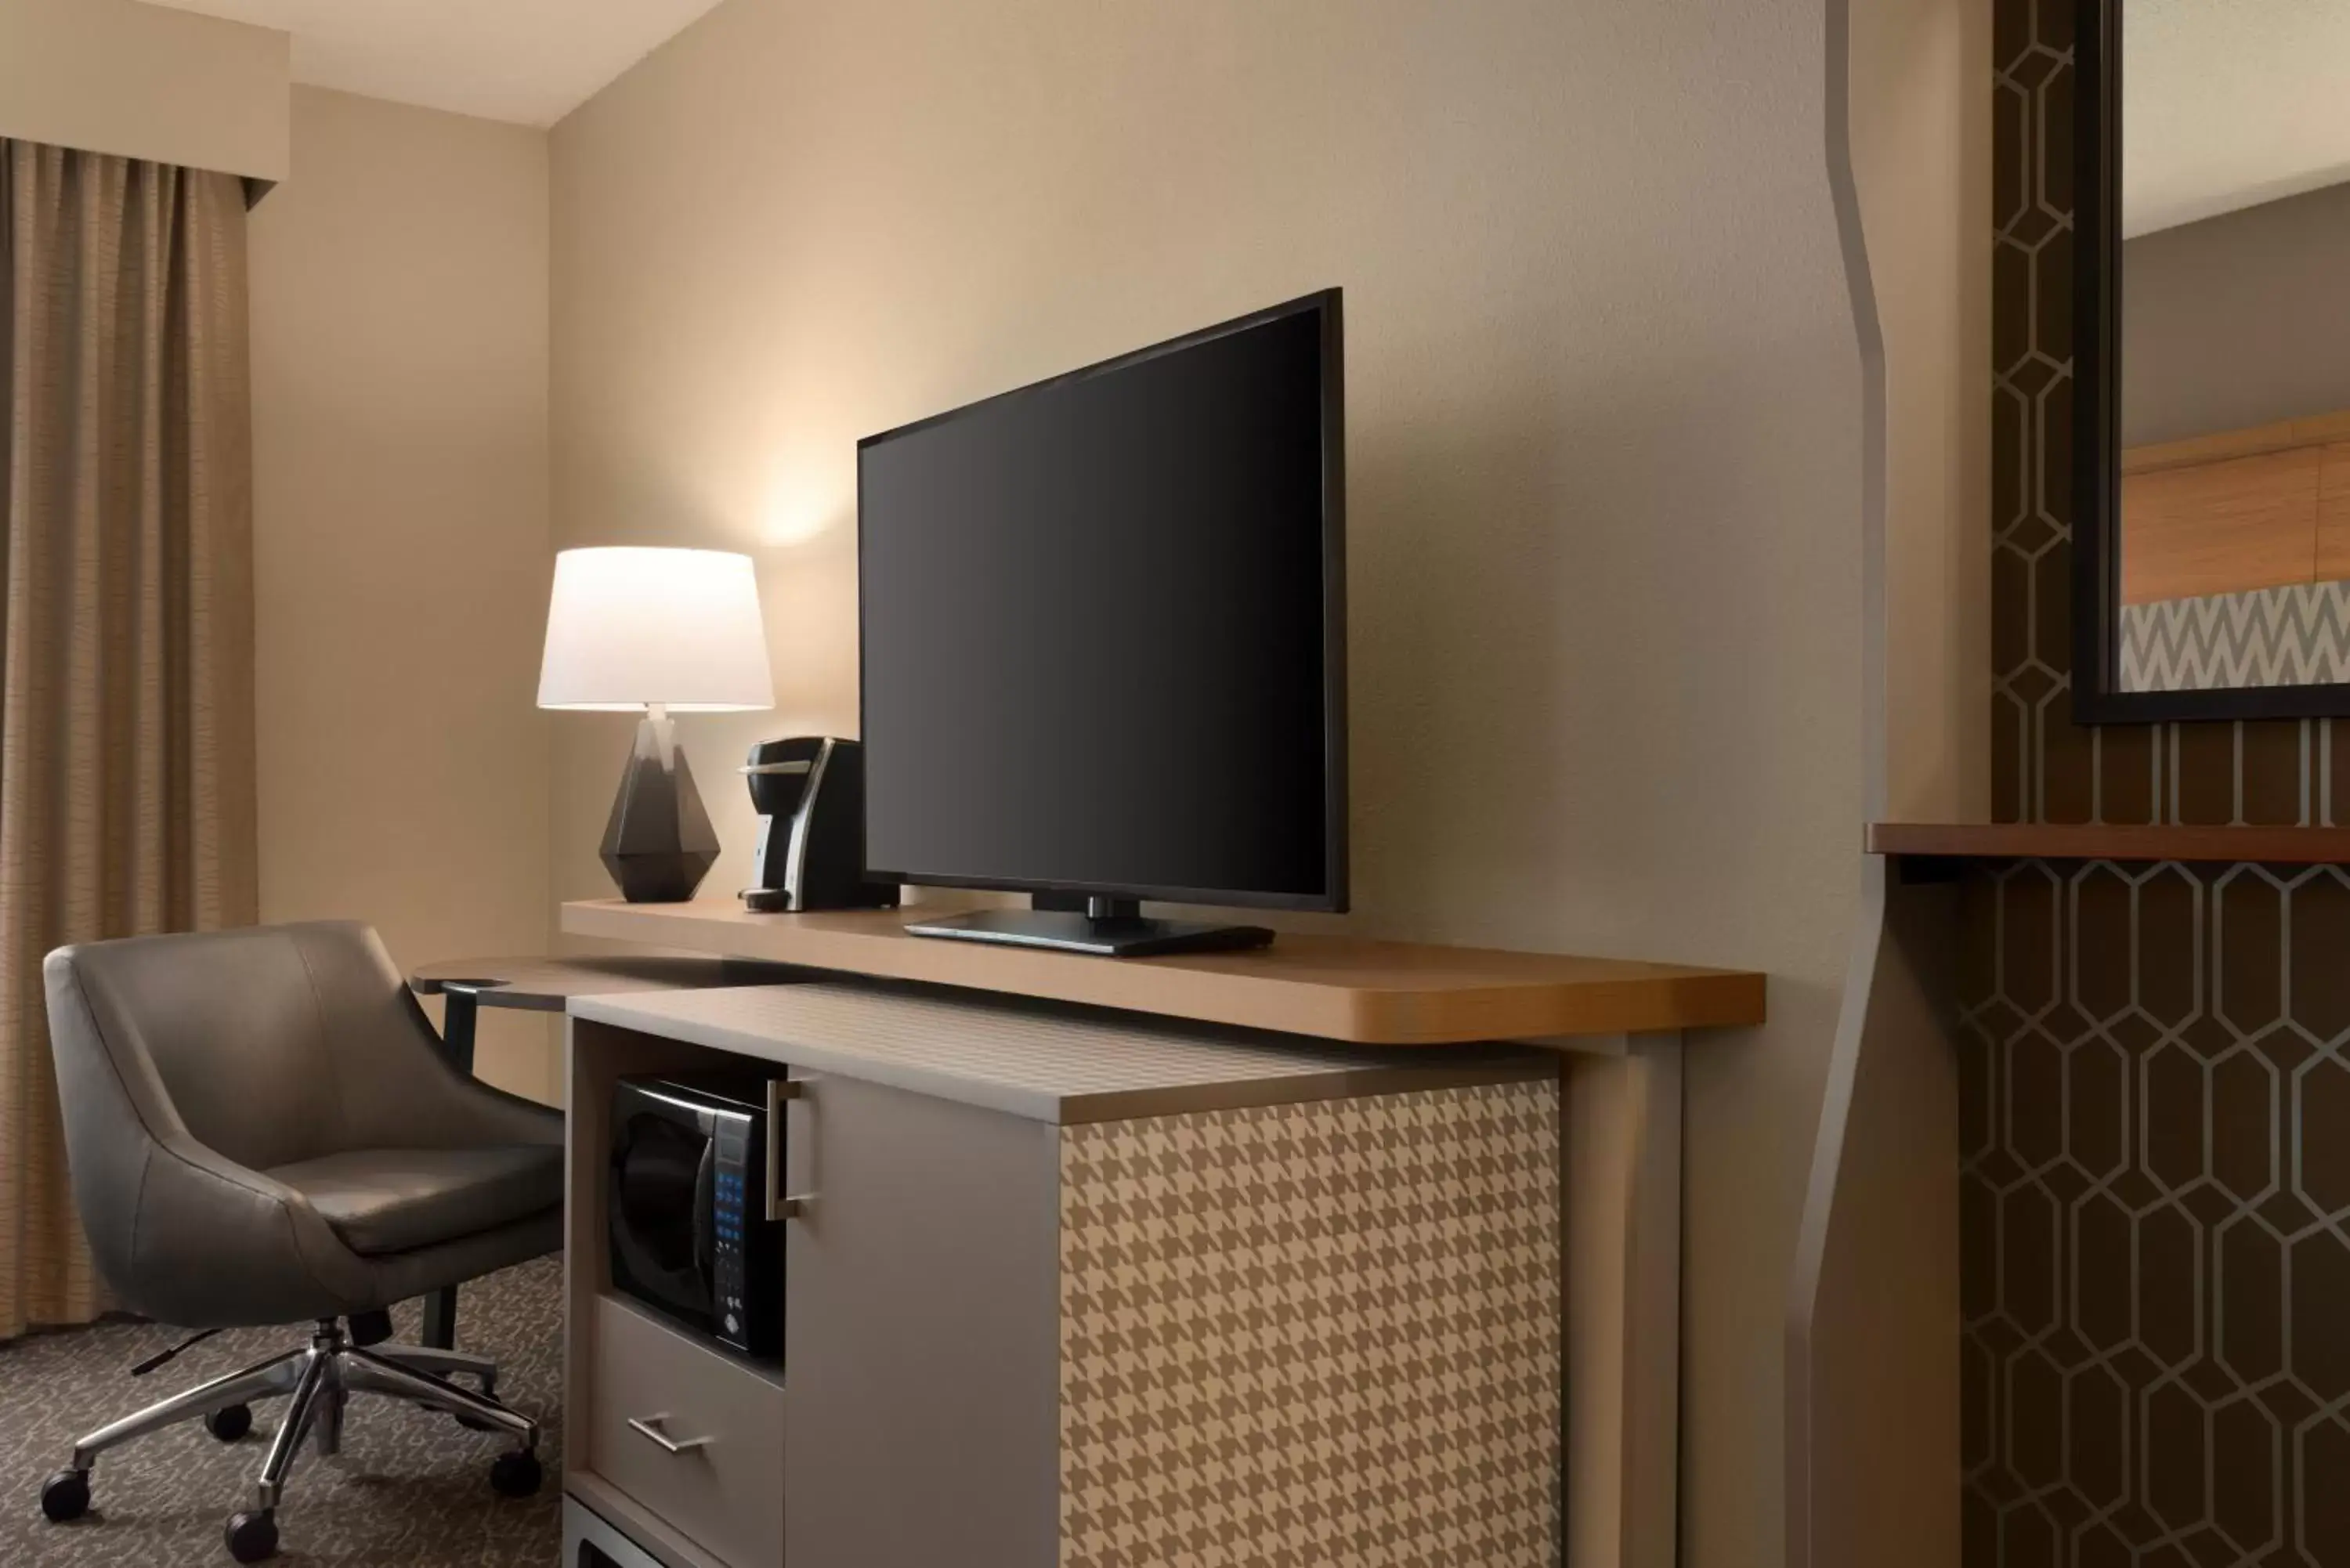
317 1382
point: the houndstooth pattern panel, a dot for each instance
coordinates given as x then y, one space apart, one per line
1317 1333
2297 635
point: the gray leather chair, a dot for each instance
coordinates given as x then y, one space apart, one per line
262 1130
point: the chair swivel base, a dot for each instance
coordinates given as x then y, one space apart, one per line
317 1381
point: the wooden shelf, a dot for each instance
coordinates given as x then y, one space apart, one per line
2049 841
1337 988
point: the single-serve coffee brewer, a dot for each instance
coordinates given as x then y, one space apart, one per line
809 792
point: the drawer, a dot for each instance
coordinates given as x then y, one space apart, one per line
724 1491
589 1542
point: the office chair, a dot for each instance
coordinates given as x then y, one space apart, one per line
262 1130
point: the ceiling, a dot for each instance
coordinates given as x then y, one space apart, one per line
529 61
2230 103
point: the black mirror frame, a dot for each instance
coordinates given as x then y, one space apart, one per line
2097 697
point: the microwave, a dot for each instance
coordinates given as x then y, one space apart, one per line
694 1225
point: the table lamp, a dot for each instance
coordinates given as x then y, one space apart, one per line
660 632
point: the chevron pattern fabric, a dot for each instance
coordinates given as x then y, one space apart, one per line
2297 635
1326 1332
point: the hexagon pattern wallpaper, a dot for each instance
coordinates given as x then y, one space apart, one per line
2156 1086
2156 1216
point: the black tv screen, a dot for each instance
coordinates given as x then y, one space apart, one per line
1103 627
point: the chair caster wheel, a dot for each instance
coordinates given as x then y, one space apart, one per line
65 1495
516 1474
230 1422
252 1537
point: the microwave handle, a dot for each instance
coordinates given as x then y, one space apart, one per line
780 1093
705 1233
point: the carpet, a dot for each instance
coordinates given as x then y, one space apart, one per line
409 1488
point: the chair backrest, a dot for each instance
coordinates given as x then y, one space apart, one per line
270 1044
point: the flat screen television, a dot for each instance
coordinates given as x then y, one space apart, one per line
1103 640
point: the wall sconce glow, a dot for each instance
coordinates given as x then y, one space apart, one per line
792 516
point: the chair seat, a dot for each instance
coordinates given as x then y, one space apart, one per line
381 1201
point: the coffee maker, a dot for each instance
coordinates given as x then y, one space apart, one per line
809 792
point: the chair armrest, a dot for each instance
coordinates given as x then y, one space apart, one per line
225 1245
439 1106
493 1116
431 1102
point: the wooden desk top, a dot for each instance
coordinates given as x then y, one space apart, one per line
1337 988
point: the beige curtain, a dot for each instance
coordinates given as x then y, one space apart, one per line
126 643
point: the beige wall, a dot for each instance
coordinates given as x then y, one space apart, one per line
2237 320
1605 463
142 81
1921 111
399 431
1872 1322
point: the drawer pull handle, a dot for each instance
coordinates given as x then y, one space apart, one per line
649 1426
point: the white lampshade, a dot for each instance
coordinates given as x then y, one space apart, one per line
630 628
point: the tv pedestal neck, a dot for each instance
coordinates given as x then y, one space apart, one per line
1106 927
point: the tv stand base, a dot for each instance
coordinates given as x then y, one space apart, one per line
1109 929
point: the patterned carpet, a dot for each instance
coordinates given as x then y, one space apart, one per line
409 1488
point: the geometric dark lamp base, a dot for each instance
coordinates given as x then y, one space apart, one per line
659 844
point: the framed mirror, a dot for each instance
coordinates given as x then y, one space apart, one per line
2212 359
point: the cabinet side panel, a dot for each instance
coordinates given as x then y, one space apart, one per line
918 1425
1316 1333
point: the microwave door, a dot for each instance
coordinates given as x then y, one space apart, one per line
661 1182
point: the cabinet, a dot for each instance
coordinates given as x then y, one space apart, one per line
1068 1288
